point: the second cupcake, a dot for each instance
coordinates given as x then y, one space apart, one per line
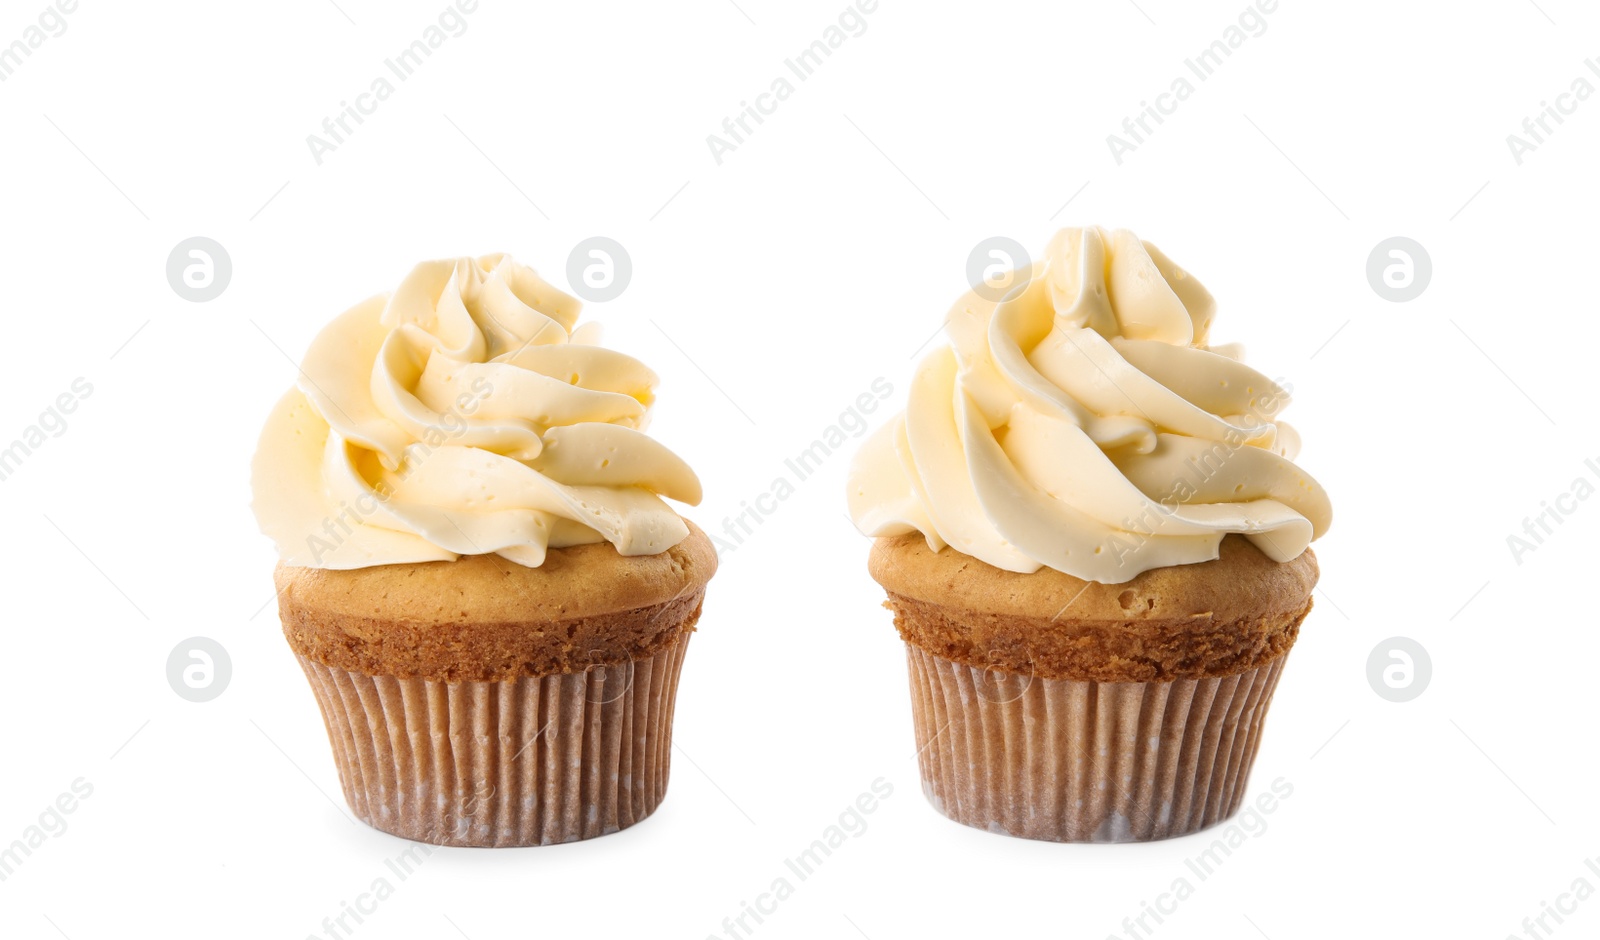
1094 541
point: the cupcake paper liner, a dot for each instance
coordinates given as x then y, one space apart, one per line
529 761
1074 761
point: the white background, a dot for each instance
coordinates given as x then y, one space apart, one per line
769 291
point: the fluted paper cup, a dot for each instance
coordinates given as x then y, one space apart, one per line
1076 761
528 761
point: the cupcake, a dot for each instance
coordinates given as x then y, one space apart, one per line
1094 540
479 575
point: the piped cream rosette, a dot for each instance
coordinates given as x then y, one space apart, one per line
1084 423
465 414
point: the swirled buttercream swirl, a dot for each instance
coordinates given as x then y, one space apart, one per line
1083 422
465 414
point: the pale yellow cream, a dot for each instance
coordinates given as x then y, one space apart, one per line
1084 423
462 415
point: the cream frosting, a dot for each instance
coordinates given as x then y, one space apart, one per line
1084 422
466 413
